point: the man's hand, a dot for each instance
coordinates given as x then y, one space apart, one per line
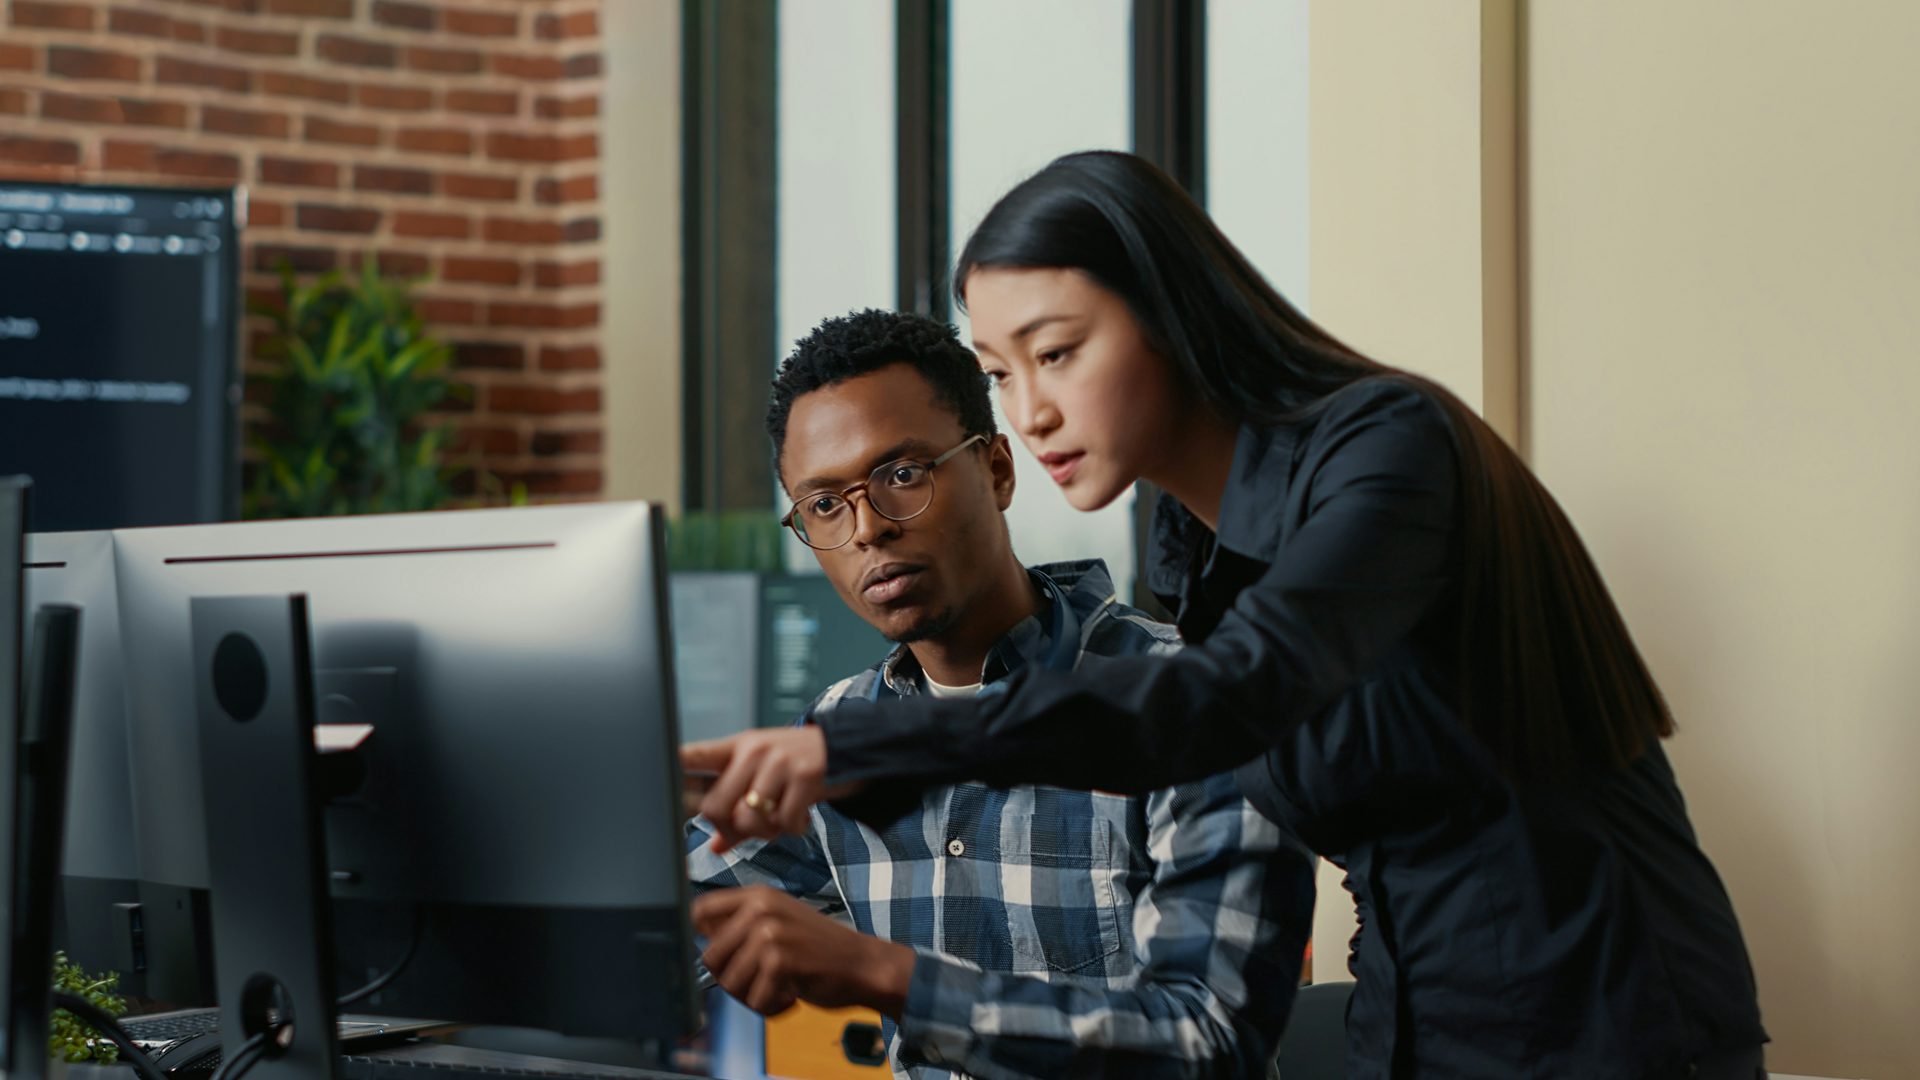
770 950
767 781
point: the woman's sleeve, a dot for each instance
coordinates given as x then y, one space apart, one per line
1367 564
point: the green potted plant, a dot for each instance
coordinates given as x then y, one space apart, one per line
69 1040
355 376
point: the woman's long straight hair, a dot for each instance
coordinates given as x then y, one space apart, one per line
1545 674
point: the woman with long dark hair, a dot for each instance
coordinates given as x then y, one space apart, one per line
1394 633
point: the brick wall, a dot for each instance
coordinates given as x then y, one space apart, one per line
457 140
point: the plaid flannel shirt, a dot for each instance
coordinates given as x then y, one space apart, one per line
1060 933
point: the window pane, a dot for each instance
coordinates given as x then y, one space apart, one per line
1257 134
836 231
1032 81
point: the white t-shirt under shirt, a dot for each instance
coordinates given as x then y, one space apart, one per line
941 690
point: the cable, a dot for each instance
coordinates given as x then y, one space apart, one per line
250 1052
103 1022
380 982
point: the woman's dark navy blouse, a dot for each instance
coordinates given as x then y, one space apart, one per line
1572 932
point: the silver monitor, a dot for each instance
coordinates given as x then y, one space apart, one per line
98 924
520 784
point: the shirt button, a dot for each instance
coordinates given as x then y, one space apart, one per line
956 848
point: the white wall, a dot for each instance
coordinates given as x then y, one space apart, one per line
1725 300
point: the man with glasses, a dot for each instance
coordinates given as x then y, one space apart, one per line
1016 932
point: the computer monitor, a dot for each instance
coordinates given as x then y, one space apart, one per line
521 784
754 649
119 344
40 743
98 906
13 527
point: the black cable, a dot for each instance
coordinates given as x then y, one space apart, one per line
236 1065
104 1022
380 982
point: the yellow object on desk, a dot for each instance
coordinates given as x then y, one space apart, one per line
809 1043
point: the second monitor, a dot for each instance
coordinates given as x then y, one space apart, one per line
518 796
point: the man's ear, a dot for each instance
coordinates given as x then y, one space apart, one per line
1000 469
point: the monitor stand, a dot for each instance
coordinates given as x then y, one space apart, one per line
272 929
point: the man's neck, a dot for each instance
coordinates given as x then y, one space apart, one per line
956 658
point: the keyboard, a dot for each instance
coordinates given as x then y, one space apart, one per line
367 1067
158 1030
162 1028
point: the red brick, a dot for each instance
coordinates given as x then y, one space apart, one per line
555 443
536 66
278 170
139 22
344 219
145 157
405 16
444 61
197 164
432 226
575 358
281 84
322 130
13 102
562 481
169 69
484 102
498 441
573 189
326 9
403 263
256 42
18 57
460 398
439 309
136 157
579 316
489 356
356 52
264 214
481 23
541 400
534 316
579 24
508 146
305 260
520 231
556 108
246 122
580 230
112 110
552 275
395 98
92 64
244 7
401 181
49 16
583 66
480 271
435 141
31 151
484 188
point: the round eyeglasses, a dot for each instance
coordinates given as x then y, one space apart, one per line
898 490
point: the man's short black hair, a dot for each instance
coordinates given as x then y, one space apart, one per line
865 341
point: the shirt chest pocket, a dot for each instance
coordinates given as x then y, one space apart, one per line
1065 888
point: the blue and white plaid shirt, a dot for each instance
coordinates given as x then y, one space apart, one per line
1060 933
